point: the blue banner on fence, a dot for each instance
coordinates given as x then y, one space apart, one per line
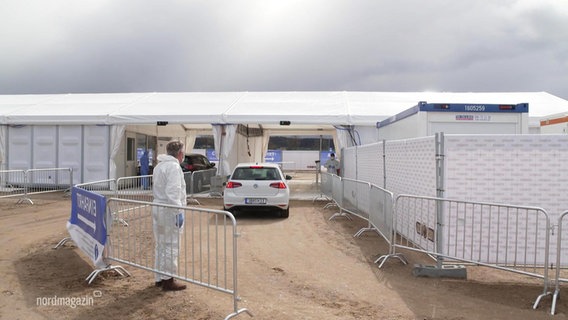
87 225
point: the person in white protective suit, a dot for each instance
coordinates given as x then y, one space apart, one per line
168 188
332 165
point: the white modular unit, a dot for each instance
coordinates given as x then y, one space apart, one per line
96 156
44 143
19 149
426 119
69 152
85 149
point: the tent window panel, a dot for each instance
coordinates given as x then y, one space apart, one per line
204 142
309 143
130 149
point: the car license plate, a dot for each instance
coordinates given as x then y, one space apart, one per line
255 200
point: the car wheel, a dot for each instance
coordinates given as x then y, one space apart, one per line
285 213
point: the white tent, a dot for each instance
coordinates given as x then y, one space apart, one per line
309 108
306 111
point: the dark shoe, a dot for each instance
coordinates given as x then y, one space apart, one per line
158 283
171 285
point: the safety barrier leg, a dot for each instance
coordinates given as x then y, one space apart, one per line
62 242
341 213
118 269
25 197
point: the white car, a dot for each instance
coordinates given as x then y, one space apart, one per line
257 186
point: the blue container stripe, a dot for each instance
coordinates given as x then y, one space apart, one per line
474 107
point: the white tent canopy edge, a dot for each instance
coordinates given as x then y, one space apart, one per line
267 108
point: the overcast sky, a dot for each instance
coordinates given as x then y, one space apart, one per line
95 46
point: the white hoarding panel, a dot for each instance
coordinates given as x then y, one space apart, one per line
411 166
529 170
525 170
370 164
349 155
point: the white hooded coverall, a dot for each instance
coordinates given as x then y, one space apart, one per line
168 188
332 165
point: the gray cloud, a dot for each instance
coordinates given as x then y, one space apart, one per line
61 46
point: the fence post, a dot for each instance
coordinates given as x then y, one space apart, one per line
457 271
25 197
190 196
70 180
384 164
558 266
440 190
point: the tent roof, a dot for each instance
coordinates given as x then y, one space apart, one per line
267 108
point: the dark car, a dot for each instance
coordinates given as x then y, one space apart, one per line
194 162
200 166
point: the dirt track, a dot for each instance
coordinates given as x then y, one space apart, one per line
304 267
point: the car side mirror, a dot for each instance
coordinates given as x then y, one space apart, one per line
288 177
212 164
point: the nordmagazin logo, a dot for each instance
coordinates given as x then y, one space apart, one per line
72 302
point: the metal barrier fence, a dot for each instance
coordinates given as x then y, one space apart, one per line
208 240
337 189
106 188
331 189
207 245
23 183
135 188
198 182
140 187
326 187
367 201
201 180
560 253
505 237
12 183
355 198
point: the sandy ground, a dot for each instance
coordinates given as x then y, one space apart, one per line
303 267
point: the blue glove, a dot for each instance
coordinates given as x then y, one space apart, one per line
179 220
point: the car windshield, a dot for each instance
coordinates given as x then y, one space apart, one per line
192 160
255 173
